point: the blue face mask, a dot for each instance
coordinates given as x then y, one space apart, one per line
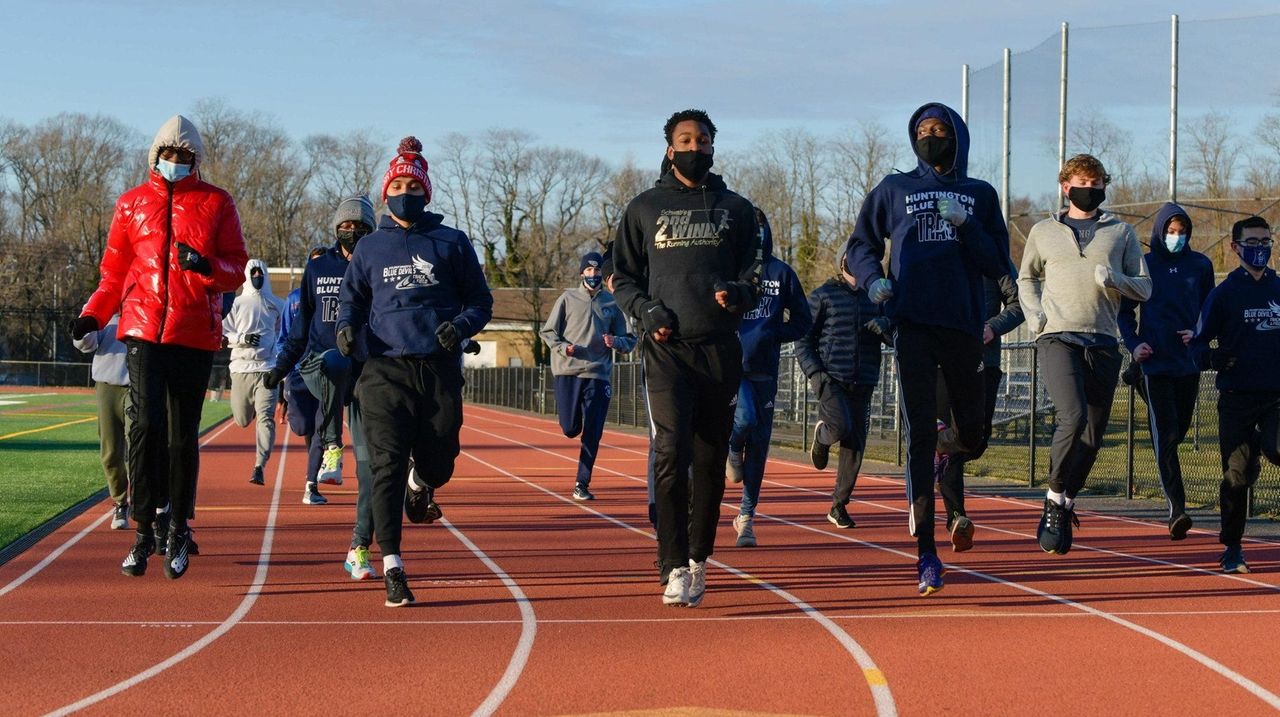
593 282
1255 256
408 207
172 171
1175 242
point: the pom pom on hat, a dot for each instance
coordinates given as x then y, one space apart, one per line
408 162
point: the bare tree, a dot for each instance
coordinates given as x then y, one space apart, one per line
1214 154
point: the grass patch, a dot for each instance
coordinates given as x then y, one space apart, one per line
46 472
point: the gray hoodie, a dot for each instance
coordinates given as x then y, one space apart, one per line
581 320
1059 285
109 363
254 312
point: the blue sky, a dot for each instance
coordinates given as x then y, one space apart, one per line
599 76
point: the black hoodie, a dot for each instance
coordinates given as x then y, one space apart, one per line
675 243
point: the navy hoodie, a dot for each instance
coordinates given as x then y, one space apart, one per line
763 329
936 268
403 283
1243 314
314 330
675 243
1180 283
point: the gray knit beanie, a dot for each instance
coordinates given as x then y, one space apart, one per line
355 209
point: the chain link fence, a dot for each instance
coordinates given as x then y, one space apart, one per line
1021 435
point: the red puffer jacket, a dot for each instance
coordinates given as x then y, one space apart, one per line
158 301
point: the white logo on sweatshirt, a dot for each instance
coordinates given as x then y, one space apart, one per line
410 276
682 228
1267 319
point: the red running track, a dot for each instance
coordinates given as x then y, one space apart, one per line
533 604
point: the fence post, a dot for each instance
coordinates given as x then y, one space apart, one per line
1033 415
1128 488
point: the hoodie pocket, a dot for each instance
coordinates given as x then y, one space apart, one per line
408 330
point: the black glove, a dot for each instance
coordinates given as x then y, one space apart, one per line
346 340
273 378
655 315
191 260
448 336
472 347
80 327
817 381
878 326
253 340
737 296
1222 362
1132 374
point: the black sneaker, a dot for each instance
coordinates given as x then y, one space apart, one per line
1051 529
580 492
176 559
1179 526
162 531
961 529
120 516
135 563
1232 560
398 593
1067 530
257 479
839 517
420 505
819 452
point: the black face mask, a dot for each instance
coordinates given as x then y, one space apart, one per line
255 278
347 238
1086 199
692 164
408 207
936 151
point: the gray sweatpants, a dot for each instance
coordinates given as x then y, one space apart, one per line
250 397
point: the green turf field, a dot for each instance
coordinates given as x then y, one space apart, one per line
49 454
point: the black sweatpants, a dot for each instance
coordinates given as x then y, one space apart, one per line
845 412
1082 384
1171 403
167 384
411 407
690 388
922 353
1248 428
951 481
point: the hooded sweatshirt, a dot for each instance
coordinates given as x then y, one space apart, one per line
582 319
1243 314
675 243
255 311
936 268
1180 283
402 283
109 363
764 328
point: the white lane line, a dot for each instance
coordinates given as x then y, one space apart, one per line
1240 680
251 597
871 673
1014 501
58 551
528 629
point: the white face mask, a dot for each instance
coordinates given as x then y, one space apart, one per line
172 171
1175 242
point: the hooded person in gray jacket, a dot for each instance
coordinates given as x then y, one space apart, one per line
250 330
1076 267
584 329
110 374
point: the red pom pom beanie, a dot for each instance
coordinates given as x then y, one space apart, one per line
408 162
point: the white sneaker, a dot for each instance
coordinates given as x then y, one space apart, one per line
357 564
746 534
676 593
331 466
697 582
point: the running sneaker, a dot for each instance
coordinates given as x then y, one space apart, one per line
357 564
120 516
930 570
398 593
676 594
839 517
733 466
135 563
257 478
1232 560
580 492
311 495
1179 526
697 582
819 452
176 559
961 533
1050 531
331 465
746 532
162 529
420 505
